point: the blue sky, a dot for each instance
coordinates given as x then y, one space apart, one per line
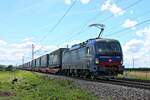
27 22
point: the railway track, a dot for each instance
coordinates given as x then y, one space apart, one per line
135 83
135 80
142 84
126 82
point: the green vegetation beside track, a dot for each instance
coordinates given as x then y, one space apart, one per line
23 85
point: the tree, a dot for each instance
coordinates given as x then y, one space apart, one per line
2 67
9 68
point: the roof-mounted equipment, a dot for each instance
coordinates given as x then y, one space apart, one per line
100 26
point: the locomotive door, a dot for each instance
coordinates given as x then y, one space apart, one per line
90 57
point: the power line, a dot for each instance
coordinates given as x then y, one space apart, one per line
133 4
90 20
85 24
141 15
126 8
59 21
117 32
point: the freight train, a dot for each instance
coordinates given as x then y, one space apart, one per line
93 58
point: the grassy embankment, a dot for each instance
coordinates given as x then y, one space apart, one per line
29 86
143 75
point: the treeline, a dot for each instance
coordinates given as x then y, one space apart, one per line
137 69
6 68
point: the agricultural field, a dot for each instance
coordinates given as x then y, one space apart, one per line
143 75
23 85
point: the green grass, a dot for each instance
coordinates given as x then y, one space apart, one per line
31 86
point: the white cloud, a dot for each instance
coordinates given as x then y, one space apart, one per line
12 53
2 43
138 48
112 7
133 45
28 39
143 32
129 23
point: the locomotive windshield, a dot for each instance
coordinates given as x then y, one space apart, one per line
108 48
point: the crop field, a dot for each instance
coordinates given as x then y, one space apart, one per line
143 75
23 85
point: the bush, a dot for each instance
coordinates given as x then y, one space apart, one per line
9 68
2 67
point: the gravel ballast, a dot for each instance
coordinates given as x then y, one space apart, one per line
106 91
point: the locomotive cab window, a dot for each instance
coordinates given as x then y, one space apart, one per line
108 47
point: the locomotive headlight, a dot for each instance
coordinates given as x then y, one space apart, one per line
121 62
97 61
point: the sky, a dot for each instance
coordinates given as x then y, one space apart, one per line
27 22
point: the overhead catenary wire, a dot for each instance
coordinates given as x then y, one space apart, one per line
126 8
105 19
59 21
83 28
125 29
141 15
111 16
